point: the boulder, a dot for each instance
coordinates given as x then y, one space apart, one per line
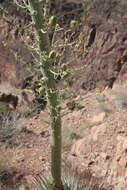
14 97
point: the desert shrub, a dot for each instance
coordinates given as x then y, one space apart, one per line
100 97
3 108
121 100
9 125
23 110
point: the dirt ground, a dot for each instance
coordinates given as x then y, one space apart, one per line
94 137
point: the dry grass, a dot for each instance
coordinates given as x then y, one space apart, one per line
10 124
68 136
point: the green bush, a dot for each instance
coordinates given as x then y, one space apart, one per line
3 108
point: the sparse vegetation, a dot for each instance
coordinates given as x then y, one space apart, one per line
100 97
3 108
10 124
121 100
23 110
23 128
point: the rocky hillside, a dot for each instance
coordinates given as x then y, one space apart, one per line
94 117
104 51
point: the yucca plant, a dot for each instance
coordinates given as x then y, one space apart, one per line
44 50
71 180
45 26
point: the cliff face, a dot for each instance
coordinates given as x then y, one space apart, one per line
106 44
104 55
103 59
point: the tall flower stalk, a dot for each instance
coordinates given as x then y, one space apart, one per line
41 35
